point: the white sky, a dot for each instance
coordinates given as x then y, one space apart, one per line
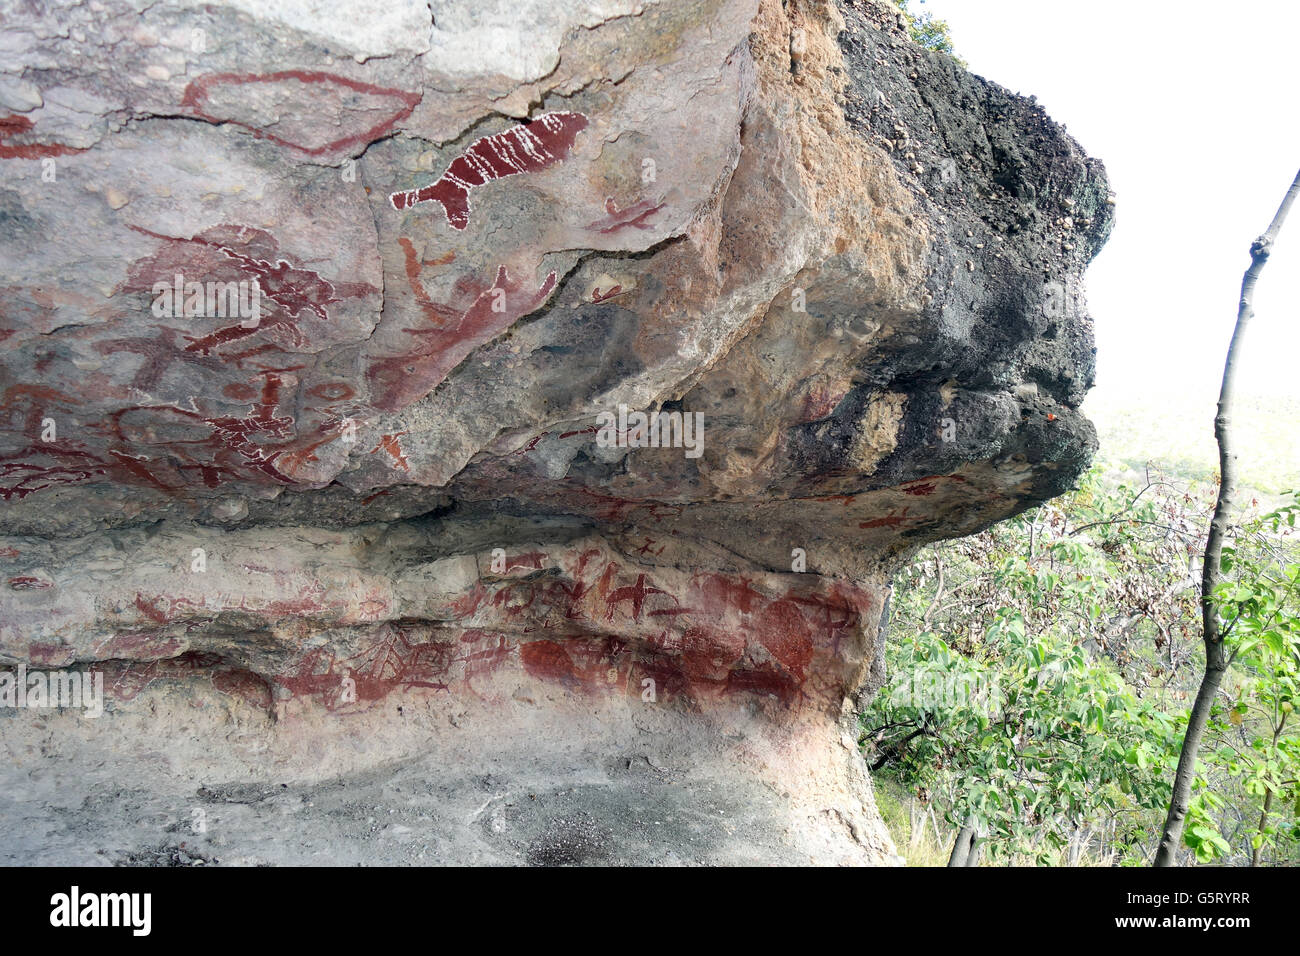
1195 110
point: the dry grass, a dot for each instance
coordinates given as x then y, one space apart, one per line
926 847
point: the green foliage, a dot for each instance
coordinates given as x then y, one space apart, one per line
1043 672
1258 744
929 32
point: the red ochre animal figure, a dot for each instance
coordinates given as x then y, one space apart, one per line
527 148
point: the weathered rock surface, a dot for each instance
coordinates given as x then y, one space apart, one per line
362 579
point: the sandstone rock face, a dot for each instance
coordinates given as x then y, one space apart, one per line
326 327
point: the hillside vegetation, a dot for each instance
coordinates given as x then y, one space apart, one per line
1042 671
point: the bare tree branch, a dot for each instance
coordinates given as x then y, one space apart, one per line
938 593
1216 661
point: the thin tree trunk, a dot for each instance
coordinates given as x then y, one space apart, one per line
1268 800
1216 661
1078 843
962 846
938 593
1263 822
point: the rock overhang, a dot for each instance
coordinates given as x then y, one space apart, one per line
861 265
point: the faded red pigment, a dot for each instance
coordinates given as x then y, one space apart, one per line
11 126
633 216
400 380
199 92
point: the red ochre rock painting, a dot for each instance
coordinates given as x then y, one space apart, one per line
173 445
531 561
168 448
50 655
217 448
820 402
125 679
401 380
244 684
891 520
140 646
924 487
233 253
586 619
293 595
580 664
20 476
307 99
11 126
392 446
633 216
25 405
158 350
527 148
393 660
719 635
25 582
434 311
